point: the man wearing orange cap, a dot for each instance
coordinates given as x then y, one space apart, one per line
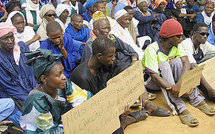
164 63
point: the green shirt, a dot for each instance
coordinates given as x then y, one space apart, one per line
154 54
34 14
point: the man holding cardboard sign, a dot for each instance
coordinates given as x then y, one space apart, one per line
199 50
165 63
94 73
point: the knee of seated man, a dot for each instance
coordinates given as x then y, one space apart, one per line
176 62
164 66
8 102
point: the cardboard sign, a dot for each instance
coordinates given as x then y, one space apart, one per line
190 80
209 71
100 114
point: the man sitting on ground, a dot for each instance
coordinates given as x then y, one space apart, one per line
77 30
101 26
63 44
165 63
94 73
198 50
16 78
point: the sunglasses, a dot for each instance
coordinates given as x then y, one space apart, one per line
202 33
179 36
50 15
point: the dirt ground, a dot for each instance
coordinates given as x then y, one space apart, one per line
172 124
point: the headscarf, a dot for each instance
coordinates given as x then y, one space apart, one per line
120 13
5 29
45 9
158 2
42 29
170 27
61 7
30 6
26 35
9 21
98 15
41 60
90 3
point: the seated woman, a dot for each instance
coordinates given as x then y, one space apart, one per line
31 13
159 8
47 13
24 33
45 104
63 11
120 29
206 15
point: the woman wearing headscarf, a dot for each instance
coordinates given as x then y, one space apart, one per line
24 33
206 15
54 96
31 13
63 11
159 8
160 5
47 13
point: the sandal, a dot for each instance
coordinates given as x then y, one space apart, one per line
188 120
133 118
152 96
205 108
160 112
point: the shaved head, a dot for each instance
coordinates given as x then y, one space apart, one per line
53 26
75 16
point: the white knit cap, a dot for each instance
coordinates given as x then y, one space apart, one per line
120 13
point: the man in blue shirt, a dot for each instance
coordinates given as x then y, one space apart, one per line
190 5
16 78
63 44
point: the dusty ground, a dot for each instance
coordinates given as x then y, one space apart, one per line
172 124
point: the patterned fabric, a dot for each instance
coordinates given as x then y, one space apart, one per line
42 113
98 15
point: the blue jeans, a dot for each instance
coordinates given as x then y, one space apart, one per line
9 111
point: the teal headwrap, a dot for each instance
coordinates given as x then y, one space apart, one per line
41 60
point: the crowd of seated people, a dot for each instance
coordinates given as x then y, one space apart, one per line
77 46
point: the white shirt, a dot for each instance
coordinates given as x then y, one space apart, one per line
126 37
189 49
